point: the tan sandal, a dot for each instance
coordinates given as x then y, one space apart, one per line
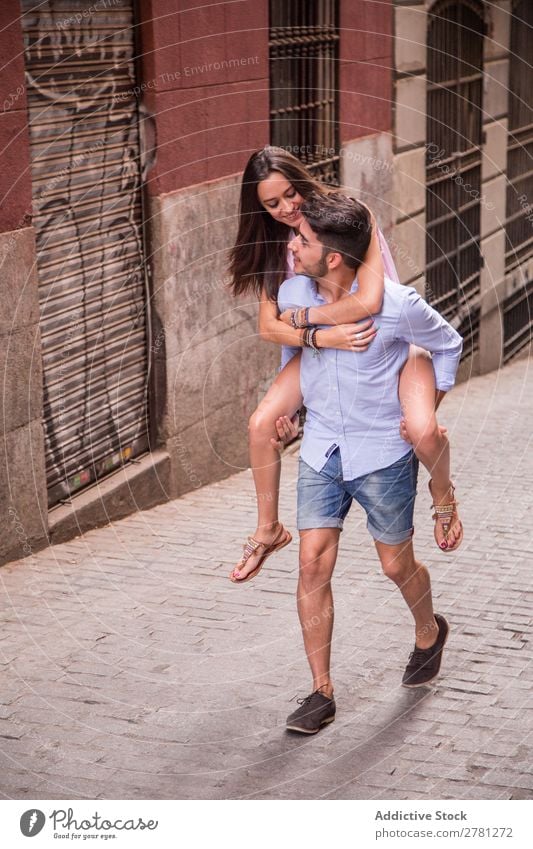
444 513
280 541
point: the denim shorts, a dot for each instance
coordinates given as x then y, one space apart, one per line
387 496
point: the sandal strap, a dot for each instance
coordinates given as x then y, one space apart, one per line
252 545
444 514
250 548
442 510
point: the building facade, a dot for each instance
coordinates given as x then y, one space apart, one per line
129 372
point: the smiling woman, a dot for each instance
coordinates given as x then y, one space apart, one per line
274 185
281 199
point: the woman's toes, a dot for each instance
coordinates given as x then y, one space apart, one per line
453 536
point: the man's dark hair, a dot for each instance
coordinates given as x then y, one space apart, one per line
341 223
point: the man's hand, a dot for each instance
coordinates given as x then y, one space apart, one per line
286 317
403 431
287 430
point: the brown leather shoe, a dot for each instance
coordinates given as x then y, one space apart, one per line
315 711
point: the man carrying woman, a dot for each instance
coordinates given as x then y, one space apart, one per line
274 186
357 379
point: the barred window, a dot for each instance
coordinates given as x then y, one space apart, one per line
453 164
519 216
517 321
304 47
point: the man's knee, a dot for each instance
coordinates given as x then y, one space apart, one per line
316 563
398 563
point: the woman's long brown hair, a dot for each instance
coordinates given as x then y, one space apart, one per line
258 259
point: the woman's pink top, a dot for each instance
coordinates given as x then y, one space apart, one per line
388 262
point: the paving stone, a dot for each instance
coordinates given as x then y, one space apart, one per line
132 668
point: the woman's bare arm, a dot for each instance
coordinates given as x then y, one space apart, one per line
361 304
342 336
272 329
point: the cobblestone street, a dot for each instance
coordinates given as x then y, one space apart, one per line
133 668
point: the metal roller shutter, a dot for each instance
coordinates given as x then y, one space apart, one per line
88 219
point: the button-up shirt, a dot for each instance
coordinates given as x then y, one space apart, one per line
351 397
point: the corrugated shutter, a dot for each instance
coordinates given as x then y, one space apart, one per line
87 215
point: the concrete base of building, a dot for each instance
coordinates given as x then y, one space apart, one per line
138 486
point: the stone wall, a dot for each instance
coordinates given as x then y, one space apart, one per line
494 286
409 138
410 27
23 508
23 504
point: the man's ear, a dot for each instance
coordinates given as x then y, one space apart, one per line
334 259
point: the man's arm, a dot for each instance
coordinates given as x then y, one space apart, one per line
421 325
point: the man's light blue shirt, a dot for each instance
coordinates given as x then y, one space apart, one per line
351 398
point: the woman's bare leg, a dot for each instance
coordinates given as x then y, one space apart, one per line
283 398
431 445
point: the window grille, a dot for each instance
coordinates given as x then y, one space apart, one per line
304 52
517 321
453 163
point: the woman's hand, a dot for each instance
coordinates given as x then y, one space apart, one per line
348 337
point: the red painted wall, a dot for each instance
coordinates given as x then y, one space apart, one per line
365 73
15 175
205 77
207 119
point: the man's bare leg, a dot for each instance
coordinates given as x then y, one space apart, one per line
318 554
412 578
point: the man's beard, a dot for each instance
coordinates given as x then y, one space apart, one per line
320 269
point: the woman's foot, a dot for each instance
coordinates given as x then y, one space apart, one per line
267 535
448 526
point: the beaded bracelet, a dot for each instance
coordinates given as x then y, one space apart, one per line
309 338
304 317
300 318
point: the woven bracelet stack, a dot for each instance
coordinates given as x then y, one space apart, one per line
309 338
300 321
300 318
